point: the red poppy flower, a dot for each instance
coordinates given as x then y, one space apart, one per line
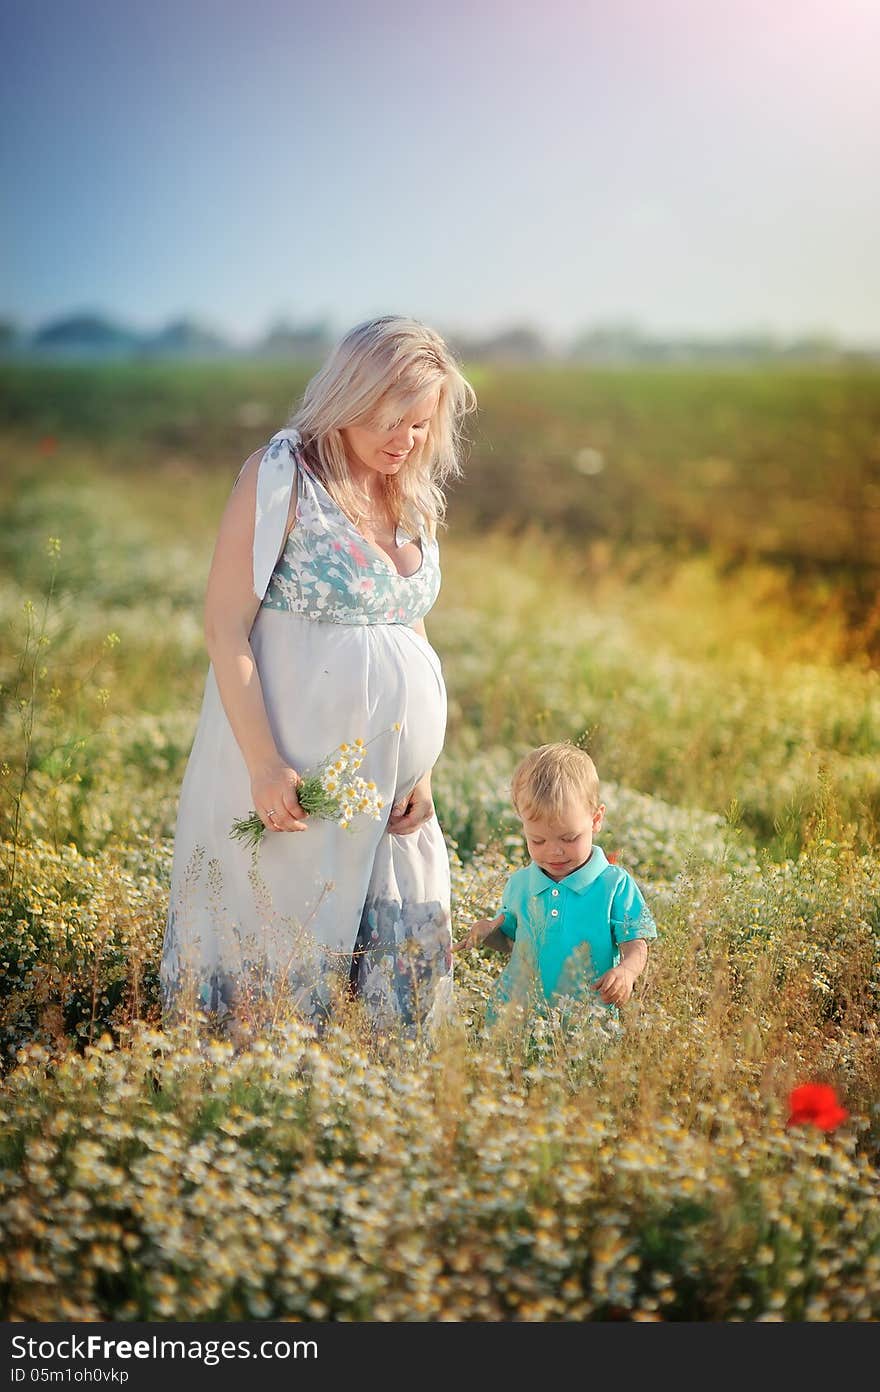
612 857
815 1104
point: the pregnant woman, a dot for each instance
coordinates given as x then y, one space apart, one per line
324 569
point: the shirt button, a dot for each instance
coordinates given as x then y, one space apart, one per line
554 913
554 892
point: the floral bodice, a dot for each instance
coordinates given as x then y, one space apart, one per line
328 572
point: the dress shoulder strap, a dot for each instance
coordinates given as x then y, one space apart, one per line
275 482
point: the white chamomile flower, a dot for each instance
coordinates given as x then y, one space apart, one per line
331 792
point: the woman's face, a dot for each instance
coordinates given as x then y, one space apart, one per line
383 443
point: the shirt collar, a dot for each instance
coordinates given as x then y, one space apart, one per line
578 880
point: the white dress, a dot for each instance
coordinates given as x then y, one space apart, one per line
357 906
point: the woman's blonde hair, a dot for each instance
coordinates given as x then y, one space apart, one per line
387 364
549 777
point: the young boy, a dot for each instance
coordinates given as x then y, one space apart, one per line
573 923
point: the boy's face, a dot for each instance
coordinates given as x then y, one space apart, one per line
560 845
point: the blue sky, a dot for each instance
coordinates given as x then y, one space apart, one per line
690 165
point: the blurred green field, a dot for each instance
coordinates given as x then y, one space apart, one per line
623 565
780 464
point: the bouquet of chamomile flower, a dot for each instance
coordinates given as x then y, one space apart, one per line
333 791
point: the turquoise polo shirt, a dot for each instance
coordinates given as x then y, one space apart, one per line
567 932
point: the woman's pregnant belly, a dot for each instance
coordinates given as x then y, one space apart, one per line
328 683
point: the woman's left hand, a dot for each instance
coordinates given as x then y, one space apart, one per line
408 814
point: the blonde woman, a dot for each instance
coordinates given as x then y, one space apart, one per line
325 566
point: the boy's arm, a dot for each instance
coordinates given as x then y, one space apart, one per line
616 985
501 941
488 932
632 923
634 956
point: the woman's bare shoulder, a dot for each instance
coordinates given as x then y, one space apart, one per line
245 489
247 474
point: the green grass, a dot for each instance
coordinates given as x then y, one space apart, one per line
782 463
734 714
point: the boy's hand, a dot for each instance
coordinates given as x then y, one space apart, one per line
480 930
616 986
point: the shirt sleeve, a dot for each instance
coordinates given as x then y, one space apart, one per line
630 916
508 924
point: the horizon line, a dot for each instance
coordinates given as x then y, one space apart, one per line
623 324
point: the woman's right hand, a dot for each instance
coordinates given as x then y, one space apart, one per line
273 789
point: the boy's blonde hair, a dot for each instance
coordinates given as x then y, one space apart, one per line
549 777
